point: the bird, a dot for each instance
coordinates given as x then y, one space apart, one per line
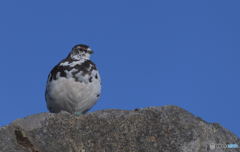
74 84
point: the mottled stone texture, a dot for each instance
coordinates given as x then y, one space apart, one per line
154 129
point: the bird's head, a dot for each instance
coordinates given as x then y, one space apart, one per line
80 51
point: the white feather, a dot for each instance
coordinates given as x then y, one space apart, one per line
71 95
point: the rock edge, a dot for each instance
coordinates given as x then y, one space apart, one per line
153 129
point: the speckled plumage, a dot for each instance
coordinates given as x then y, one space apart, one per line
74 84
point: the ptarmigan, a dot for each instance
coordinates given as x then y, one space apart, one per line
74 84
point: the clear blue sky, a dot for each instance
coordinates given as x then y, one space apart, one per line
150 53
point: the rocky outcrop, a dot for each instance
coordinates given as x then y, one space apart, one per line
154 129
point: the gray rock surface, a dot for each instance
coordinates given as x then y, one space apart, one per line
154 129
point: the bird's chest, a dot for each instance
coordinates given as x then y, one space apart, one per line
75 86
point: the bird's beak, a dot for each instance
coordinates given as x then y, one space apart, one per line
90 51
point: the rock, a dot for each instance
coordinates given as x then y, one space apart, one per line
153 129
